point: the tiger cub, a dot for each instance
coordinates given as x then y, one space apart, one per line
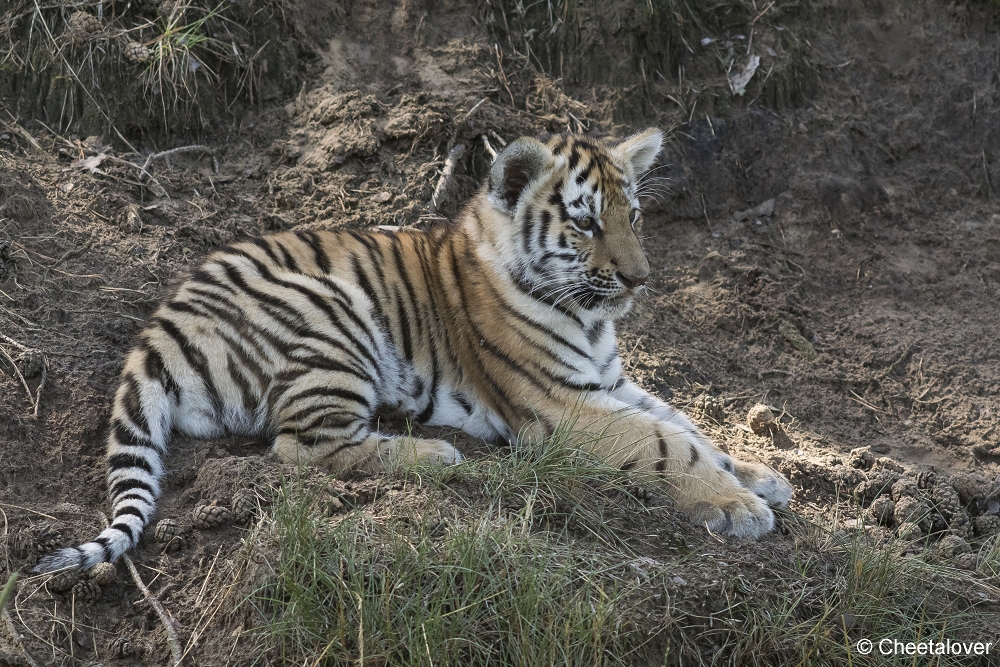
500 324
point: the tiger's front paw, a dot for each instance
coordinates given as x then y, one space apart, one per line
765 482
745 515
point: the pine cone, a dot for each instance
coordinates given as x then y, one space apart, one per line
946 500
861 458
938 523
905 486
206 517
971 486
169 534
885 463
48 538
910 509
63 581
909 531
878 482
961 525
87 590
122 647
104 574
760 418
244 505
881 511
81 25
986 525
952 545
710 407
136 53
965 561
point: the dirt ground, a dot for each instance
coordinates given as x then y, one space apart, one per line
835 256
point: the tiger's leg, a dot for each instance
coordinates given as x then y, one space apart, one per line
635 440
324 416
760 478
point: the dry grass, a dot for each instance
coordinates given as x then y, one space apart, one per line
90 67
544 556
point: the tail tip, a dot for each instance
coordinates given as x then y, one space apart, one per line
63 559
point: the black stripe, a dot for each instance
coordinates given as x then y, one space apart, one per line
206 278
695 456
103 541
567 256
543 229
125 437
125 485
594 333
526 229
133 496
513 312
311 239
119 461
502 400
237 375
320 421
195 358
322 304
528 290
266 247
428 411
574 158
289 259
404 276
361 280
321 362
127 529
132 404
404 327
287 316
130 510
336 392
157 371
248 361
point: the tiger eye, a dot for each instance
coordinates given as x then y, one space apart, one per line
584 224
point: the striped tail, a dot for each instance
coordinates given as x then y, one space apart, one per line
140 429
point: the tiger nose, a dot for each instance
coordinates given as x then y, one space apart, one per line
631 281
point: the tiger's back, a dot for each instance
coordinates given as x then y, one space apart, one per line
500 324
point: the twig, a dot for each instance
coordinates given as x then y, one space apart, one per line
446 175
489 149
169 623
41 385
868 405
174 151
503 75
496 136
23 133
70 254
142 170
16 637
17 371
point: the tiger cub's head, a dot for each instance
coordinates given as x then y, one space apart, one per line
568 218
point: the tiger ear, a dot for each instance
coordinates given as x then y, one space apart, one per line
641 149
516 166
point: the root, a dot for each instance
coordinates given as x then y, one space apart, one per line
169 622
